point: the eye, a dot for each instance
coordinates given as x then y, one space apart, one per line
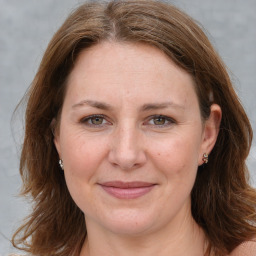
94 120
97 120
160 120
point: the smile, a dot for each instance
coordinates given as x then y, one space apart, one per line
127 190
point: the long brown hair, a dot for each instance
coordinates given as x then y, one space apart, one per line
223 203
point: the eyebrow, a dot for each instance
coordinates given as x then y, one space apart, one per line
92 103
143 108
156 106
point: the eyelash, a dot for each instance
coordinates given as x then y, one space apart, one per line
86 120
170 121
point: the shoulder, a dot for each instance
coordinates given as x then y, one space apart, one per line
245 249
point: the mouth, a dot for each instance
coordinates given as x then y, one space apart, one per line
127 190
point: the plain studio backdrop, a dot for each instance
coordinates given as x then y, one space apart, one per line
26 26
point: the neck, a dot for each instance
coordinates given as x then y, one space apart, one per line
182 239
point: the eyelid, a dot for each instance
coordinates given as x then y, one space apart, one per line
170 120
85 120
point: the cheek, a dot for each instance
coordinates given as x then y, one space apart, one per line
177 158
176 161
80 153
82 157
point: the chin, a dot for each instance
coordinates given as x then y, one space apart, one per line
129 222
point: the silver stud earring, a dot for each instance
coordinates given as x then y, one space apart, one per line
205 158
61 164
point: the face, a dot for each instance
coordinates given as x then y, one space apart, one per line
131 138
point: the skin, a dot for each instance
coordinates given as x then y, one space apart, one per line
245 249
130 85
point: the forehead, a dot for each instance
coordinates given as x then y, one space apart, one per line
116 56
125 71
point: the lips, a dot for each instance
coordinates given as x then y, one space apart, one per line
127 190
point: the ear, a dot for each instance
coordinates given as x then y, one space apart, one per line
56 136
210 131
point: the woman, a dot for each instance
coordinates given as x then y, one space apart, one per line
135 140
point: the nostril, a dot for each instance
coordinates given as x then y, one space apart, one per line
127 160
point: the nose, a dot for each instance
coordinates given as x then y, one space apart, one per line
126 149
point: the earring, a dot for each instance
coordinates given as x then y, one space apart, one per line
205 158
61 164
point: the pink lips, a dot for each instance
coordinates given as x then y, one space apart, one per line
127 190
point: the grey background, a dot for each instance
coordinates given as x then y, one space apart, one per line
26 27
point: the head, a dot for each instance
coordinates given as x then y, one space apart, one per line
175 37
132 115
